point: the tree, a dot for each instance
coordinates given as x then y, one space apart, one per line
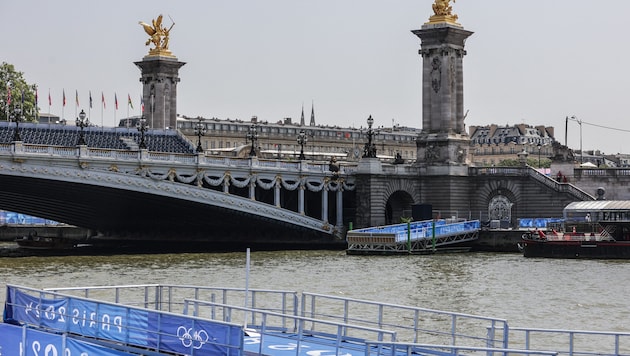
22 94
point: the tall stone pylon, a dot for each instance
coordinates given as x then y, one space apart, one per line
442 145
160 75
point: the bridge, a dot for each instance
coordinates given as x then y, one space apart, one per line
127 195
170 194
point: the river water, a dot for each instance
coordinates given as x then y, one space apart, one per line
546 293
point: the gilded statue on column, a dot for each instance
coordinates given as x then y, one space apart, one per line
443 13
159 36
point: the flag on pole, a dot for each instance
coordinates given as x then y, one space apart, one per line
36 98
90 99
64 98
129 101
22 97
76 97
142 103
8 95
49 98
103 100
116 101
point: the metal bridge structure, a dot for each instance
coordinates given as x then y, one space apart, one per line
140 195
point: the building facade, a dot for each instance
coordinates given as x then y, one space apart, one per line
280 139
492 144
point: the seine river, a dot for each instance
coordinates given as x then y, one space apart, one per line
546 293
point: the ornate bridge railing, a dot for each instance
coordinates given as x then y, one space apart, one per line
533 173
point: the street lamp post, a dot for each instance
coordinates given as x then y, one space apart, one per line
301 140
574 118
17 117
82 121
252 135
539 146
200 130
142 127
370 148
522 157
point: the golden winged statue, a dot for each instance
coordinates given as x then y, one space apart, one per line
443 12
443 7
158 35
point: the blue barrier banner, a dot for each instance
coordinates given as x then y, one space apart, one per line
83 318
11 340
39 311
17 339
181 334
127 325
138 328
78 348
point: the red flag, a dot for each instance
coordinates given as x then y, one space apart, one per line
142 103
64 97
103 100
116 101
8 95
36 97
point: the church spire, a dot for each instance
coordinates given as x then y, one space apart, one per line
302 118
312 114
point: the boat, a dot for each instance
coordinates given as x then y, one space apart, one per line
590 229
36 242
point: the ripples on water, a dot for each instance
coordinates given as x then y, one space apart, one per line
569 294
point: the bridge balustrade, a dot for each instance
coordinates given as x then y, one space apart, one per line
535 174
167 157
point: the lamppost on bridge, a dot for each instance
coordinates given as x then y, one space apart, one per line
82 121
301 140
16 116
252 135
574 118
522 157
370 148
142 128
200 130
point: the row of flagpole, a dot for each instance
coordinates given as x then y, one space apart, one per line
103 104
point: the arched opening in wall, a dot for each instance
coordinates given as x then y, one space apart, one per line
398 206
501 208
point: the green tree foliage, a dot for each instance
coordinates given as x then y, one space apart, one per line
10 78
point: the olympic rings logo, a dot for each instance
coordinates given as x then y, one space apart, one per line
189 338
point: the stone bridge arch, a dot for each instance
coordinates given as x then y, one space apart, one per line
499 199
399 195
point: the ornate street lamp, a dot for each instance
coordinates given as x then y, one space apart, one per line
200 130
252 135
370 148
16 116
142 127
539 146
574 118
82 121
301 140
522 157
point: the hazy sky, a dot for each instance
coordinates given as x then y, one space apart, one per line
533 62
